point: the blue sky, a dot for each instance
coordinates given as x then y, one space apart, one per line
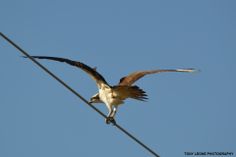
185 112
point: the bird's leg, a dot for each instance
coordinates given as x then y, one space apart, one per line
110 116
114 111
113 115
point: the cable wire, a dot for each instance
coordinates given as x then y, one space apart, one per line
78 95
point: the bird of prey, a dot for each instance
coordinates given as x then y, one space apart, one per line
113 96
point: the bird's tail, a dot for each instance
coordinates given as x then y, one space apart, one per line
137 93
133 92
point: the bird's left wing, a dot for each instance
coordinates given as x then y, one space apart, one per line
91 71
131 78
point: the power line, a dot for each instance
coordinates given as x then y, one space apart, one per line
78 95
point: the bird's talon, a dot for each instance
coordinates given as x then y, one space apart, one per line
110 120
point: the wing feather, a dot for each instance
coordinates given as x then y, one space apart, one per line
91 71
133 77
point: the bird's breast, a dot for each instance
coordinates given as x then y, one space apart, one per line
107 96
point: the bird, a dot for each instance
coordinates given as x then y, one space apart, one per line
114 96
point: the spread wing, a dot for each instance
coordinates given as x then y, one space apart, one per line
90 71
131 78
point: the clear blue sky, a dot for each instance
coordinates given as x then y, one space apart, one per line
185 112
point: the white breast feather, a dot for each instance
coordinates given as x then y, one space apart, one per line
108 97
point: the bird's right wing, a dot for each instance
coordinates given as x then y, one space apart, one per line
133 77
91 71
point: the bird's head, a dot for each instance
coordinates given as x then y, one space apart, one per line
95 99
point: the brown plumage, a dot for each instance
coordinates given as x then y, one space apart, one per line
133 77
